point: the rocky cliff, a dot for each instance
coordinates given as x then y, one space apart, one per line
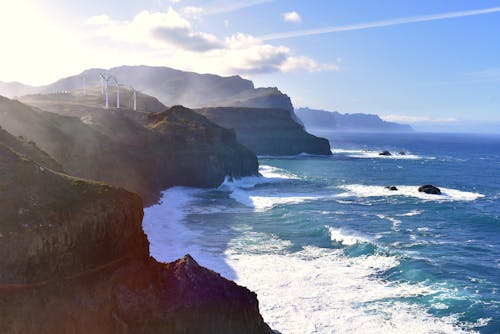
75 260
142 152
268 131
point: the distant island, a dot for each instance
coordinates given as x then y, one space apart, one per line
333 120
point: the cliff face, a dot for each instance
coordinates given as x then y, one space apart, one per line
142 152
268 131
75 260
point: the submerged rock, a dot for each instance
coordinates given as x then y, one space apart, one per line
385 153
391 188
429 189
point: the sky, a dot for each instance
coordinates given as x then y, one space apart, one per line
426 61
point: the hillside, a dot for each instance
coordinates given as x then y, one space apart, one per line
170 86
268 131
332 120
142 152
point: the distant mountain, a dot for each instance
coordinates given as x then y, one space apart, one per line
333 120
170 86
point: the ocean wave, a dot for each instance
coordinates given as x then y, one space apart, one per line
315 290
359 190
369 154
269 174
263 203
344 237
322 291
411 213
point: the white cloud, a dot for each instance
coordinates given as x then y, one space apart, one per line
292 17
171 36
416 119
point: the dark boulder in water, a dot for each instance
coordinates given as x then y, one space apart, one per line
429 189
402 153
391 188
386 153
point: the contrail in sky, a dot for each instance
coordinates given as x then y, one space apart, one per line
379 24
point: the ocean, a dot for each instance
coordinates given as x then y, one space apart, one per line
328 249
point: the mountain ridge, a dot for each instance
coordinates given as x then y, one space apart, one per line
333 120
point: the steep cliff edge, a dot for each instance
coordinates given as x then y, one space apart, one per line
268 131
142 152
75 260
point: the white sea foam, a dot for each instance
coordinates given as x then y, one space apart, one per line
316 290
168 238
263 203
359 190
320 290
269 175
369 154
411 213
344 237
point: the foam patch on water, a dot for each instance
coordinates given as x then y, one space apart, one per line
359 190
263 203
369 154
344 237
411 213
268 174
168 238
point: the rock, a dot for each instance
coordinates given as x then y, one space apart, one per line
391 188
268 131
402 153
385 153
430 189
75 260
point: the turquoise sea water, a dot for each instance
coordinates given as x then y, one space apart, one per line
329 250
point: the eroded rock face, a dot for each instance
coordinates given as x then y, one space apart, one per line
268 131
75 260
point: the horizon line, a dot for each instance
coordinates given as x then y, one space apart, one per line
379 24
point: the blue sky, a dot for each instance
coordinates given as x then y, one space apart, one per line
414 61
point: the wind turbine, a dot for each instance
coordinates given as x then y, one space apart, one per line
134 98
105 79
117 91
84 85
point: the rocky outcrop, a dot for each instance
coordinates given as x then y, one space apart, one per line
268 131
142 152
385 153
429 189
75 260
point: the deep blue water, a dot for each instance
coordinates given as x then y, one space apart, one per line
329 249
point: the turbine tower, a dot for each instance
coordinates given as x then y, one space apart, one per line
105 79
117 91
84 85
134 98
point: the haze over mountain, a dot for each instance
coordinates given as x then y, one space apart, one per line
333 120
170 86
